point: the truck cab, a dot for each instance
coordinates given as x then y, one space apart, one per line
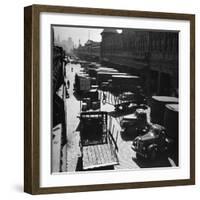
134 124
90 100
153 143
130 101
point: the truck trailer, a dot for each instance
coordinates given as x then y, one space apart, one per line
98 147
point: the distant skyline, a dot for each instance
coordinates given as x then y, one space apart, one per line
82 34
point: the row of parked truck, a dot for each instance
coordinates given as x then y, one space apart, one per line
92 77
152 135
98 147
159 136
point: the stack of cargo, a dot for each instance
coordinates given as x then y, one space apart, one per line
171 120
157 105
91 100
171 124
82 83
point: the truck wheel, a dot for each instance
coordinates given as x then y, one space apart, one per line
138 156
153 154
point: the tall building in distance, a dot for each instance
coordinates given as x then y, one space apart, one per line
56 40
68 45
89 51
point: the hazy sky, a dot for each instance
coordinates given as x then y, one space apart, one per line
78 33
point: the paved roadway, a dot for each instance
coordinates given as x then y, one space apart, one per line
71 151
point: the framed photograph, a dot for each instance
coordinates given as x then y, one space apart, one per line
109 99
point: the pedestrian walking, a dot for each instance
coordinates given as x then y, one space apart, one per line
66 93
68 84
104 98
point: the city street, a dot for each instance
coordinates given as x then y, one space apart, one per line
71 151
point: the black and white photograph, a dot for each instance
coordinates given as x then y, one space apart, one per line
114 98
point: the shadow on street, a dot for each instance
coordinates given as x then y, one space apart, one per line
161 161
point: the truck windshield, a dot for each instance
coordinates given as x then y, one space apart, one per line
93 132
154 131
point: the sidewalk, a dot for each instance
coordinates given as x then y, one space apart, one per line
71 150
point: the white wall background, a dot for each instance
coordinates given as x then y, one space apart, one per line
11 101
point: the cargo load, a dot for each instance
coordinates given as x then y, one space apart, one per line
157 104
82 83
171 120
97 145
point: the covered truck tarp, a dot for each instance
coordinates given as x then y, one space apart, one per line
171 120
157 104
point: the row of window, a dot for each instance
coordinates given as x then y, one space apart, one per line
116 43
